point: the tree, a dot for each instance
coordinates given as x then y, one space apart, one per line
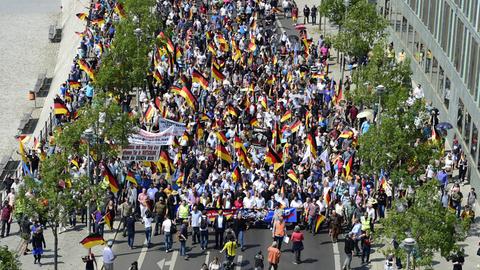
435 228
8 259
53 196
360 29
334 10
126 64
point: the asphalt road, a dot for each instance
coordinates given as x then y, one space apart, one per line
318 252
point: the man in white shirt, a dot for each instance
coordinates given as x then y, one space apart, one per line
248 202
108 256
166 229
259 201
195 223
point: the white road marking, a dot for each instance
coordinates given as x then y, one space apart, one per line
239 262
336 257
161 263
143 253
172 260
207 257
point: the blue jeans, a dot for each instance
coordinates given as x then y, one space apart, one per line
381 210
240 238
130 240
183 248
148 235
203 239
168 241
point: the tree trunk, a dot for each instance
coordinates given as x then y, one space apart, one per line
55 246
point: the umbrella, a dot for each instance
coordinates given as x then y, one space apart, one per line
444 125
300 27
365 114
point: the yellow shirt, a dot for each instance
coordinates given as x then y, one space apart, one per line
231 248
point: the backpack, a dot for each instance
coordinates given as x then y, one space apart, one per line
203 223
173 228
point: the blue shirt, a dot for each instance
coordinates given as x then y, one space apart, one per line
89 91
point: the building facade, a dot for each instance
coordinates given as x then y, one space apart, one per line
442 38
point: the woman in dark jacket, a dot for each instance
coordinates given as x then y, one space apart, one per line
38 244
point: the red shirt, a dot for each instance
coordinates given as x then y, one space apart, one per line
297 237
6 212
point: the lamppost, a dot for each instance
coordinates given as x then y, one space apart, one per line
138 33
88 135
380 89
409 245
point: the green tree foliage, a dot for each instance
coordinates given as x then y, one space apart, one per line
360 29
8 259
334 10
55 194
126 64
435 228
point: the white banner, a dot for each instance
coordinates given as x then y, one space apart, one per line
165 124
137 152
148 138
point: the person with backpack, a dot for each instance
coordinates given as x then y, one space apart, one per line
168 228
183 237
204 222
130 230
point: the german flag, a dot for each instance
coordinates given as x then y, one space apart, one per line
286 116
211 48
271 80
277 166
232 111
189 97
149 113
167 41
312 143
276 136
306 45
318 75
348 167
221 137
434 136
242 156
346 134
92 240
166 161
236 175
131 178
199 130
82 16
198 77
60 108
158 77
292 175
253 24
295 126
178 53
263 101
74 162
223 154
217 74
74 84
237 143
271 157
175 89
108 220
112 181
180 179
275 60
86 68
119 10
318 222
99 21
254 122
252 46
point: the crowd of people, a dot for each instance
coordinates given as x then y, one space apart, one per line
267 128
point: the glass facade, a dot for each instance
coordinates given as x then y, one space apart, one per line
442 38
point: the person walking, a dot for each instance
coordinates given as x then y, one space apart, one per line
306 14
274 256
335 226
297 244
215 264
204 222
231 251
90 261
160 211
167 226
130 230
313 12
183 237
126 209
279 231
349 249
366 247
108 256
147 221
239 227
219 226
195 219
6 217
38 244
259 261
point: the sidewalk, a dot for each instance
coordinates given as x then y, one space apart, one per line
70 251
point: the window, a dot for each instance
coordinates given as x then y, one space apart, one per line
473 68
413 5
404 28
465 56
457 55
434 73
466 135
424 11
432 16
444 27
446 93
410 37
460 116
473 148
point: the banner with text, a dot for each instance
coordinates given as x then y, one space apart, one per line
165 124
148 138
139 152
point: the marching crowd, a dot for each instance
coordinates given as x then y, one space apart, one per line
267 129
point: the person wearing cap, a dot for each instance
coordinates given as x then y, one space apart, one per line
108 256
